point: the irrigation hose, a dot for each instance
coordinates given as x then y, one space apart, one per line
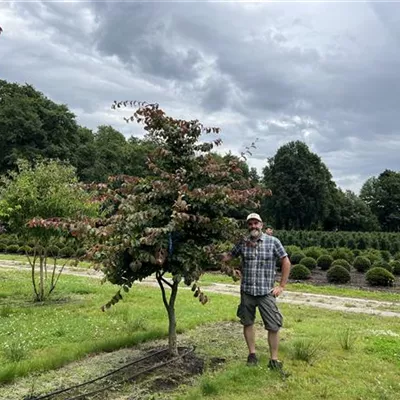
113 372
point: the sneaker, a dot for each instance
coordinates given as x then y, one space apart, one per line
276 365
252 359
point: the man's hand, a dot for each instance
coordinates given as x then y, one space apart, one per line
277 291
238 274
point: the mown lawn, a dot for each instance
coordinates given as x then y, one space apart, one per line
39 337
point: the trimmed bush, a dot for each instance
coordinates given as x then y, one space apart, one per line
342 253
12 248
379 277
300 272
382 264
324 262
67 252
356 253
385 255
362 264
338 274
25 249
314 252
81 252
373 255
309 262
296 258
343 263
290 250
395 267
3 247
53 251
397 256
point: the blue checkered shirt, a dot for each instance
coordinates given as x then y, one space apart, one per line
259 263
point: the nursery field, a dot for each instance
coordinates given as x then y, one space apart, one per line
68 340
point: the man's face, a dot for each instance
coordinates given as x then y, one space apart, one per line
254 226
269 231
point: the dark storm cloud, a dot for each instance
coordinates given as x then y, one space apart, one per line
327 74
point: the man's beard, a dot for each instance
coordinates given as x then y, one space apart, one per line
255 233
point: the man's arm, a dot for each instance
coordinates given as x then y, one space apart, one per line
281 253
285 271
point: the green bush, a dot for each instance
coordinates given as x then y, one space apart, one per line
382 264
53 251
373 255
385 255
309 262
290 250
25 249
362 264
296 258
379 277
395 267
338 274
67 252
300 272
397 256
3 247
314 252
324 262
356 253
12 248
342 253
81 252
343 263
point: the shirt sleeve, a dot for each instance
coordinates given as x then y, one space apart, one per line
236 250
279 250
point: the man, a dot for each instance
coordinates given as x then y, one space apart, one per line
259 253
269 231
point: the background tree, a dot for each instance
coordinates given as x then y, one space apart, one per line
302 188
382 194
176 219
45 190
31 125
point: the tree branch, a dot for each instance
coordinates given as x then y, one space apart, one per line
164 296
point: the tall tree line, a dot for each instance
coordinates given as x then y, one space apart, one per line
304 193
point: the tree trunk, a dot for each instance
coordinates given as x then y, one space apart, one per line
170 307
41 279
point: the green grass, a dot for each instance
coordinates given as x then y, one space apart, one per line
39 337
324 364
23 259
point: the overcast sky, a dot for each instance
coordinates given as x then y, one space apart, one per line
324 73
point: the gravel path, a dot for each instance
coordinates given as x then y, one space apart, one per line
336 303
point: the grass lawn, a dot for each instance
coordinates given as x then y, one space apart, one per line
331 355
39 337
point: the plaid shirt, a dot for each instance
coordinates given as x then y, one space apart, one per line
259 263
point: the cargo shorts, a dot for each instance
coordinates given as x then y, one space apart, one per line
270 314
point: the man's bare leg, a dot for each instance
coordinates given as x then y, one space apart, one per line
249 335
273 342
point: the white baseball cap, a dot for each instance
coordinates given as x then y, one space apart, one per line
254 216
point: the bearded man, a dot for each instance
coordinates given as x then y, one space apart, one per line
259 253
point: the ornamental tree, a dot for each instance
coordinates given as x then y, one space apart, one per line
177 219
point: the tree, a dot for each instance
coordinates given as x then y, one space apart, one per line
33 126
382 195
46 190
355 214
302 188
175 220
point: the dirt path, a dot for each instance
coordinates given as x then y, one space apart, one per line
336 303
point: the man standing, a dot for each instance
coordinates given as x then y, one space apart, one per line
259 253
269 230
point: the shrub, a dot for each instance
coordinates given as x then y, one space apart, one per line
343 263
382 264
3 247
81 252
25 249
314 252
300 272
356 253
325 262
342 253
338 274
379 277
385 255
309 262
373 255
362 264
397 256
296 258
395 267
305 350
53 251
67 252
12 248
290 250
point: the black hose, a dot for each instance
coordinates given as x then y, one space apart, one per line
60 391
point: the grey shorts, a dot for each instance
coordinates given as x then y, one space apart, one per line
270 314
